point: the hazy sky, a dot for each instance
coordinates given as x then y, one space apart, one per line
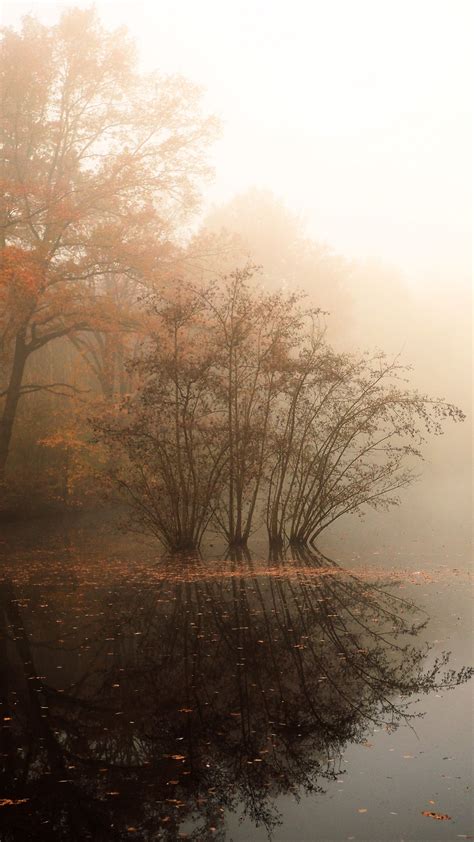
355 112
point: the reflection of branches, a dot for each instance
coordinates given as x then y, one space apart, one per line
196 695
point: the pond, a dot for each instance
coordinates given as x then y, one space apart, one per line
290 698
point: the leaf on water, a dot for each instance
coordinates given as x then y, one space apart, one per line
12 802
440 817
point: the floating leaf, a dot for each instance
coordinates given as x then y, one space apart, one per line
10 802
440 817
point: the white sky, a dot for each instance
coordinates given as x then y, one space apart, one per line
355 112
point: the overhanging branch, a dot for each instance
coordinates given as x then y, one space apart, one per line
49 387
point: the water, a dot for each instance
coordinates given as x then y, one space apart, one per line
293 699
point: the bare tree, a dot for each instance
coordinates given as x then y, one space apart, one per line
350 437
244 411
170 435
257 333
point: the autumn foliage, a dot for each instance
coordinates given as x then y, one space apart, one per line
99 166
217 402
243 414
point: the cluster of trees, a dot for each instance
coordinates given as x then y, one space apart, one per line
221 402
242 410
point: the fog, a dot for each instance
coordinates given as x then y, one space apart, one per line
355 118
356 115
235 420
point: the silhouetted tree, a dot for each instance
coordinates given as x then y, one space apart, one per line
243 410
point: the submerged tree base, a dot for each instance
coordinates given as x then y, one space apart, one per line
183 548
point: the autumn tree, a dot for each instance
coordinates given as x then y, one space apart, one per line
195 436
244 410
98 163
257 333
349 436
169 438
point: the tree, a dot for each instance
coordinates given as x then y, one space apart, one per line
244 410
349 437
170 433
98 164
256 332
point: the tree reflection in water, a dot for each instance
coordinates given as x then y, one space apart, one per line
150 710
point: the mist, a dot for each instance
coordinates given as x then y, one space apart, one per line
351 143
235 419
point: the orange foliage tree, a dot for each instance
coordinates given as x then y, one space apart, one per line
98 164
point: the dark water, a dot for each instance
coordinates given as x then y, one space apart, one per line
291 699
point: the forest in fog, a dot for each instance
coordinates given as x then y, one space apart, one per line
217 372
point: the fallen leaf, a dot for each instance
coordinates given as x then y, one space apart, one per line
9 802
440 817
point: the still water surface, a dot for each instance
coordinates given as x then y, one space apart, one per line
241 699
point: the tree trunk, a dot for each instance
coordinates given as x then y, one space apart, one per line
12 397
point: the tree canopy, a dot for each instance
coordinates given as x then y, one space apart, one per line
99 165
